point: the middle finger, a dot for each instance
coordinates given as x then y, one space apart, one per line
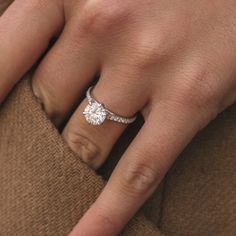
65 72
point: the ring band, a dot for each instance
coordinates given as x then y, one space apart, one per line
96 113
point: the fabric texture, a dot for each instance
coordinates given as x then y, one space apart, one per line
200 189
45 188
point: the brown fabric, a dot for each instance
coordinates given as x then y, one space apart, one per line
4 4
45 188
200 189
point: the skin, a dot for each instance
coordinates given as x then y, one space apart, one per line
173 61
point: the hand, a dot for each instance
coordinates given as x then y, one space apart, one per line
174 61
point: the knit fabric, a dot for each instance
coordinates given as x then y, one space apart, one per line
45 187
200 189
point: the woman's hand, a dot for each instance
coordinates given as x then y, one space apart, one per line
174 61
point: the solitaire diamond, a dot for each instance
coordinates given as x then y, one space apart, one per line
95 113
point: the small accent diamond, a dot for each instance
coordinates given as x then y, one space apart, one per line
95 113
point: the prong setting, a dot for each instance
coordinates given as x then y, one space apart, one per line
95 113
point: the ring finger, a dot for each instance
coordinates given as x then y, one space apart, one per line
93 143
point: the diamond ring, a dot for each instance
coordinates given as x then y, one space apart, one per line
96 113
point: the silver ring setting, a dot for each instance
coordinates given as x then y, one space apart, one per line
96 113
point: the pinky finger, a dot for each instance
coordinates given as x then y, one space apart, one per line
26 28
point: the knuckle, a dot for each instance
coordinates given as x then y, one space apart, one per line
107 221
200 88
147 55
139 178
47 96
148 51
100 16
83 146
199 92
154 45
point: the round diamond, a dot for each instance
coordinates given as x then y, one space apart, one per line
95 113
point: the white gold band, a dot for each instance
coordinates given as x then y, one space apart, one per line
96 113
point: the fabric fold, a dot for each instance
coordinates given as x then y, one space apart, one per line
45 187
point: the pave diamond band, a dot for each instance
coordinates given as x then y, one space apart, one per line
96 113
